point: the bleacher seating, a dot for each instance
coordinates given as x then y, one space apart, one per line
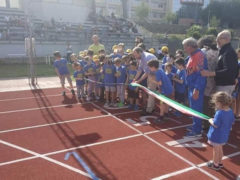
13 27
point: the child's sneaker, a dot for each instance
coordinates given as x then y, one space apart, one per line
213 166
63 93
136 108
97 97
73 92
159 120
120 104
221 165
88 98
106 104
193 134
130 106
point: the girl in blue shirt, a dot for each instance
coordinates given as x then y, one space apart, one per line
220 128
109 71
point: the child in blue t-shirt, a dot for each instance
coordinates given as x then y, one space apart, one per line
133 93
97 89
220 127
180 81
90 71
62 71
109 71
164 85
168 71
120 79
79 77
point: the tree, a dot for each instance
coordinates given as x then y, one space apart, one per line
214 22
142 11
195 31
170 18
226 11
212 31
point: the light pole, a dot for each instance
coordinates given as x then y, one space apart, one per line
29 46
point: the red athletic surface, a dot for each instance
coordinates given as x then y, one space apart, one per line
112 147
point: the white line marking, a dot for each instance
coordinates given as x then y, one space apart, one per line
25 98
45 158
85 146
160 145
44 107
174 173
165 176
62 122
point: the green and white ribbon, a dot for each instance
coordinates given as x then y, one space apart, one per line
172 103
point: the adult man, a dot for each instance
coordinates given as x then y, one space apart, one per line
143 73
96 46
226 71
195 82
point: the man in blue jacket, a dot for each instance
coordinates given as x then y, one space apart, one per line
196 83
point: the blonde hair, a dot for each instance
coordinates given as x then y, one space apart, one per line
223 98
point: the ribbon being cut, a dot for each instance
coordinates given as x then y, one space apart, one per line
172 103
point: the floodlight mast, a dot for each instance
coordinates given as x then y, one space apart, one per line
30 46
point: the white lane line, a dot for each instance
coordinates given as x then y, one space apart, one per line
85 146
33 97
62 122
160 145
44 107
18 160
45 158
165 176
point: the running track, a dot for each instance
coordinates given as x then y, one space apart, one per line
38 128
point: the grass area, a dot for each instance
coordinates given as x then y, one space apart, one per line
22 70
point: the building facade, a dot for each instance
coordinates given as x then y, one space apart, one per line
157 8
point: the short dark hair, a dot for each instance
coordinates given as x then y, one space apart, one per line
153 63
138 50
101 58
180 62
133 63
168 64
57 54
117 60
76 64
101 51
180 51
90 53
141 45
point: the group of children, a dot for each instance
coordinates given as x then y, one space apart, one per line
110 77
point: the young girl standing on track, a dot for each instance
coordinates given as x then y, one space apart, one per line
220 128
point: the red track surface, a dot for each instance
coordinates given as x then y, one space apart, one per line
38 128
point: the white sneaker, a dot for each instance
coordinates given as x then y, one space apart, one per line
88 98
106 104
97 97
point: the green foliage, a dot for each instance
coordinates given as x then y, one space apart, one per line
195 31
214 22
170 18
142 11
226 11
212 31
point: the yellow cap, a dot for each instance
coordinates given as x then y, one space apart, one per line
128 51
95 58
151 50
164 49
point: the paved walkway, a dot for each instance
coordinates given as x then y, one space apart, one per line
22 84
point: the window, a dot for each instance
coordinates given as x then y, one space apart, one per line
2 3
14 3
